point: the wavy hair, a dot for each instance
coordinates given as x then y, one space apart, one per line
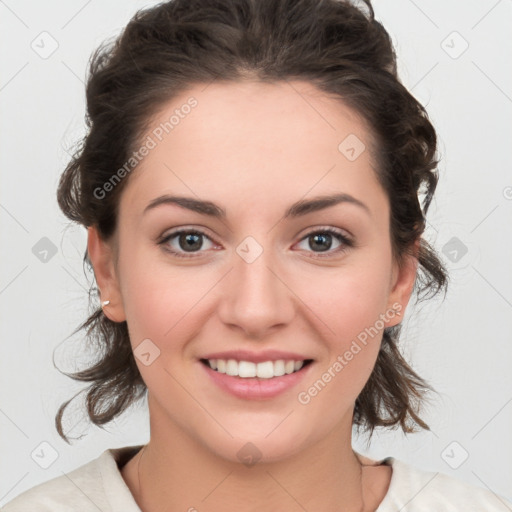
336 45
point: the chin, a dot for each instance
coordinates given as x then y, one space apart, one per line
256 451
250 446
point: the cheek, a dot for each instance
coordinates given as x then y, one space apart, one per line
161 301
351 299
352 312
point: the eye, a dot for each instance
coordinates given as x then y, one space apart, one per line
186 243
321 241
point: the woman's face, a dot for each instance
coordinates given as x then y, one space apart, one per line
267 278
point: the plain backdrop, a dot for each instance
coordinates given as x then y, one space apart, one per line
455 57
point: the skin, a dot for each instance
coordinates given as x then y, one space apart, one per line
253 149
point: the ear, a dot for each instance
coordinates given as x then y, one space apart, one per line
402 285
102 258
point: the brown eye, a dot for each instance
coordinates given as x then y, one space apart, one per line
320 241
181 242
323 240
190 241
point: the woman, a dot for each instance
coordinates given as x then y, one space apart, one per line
250 186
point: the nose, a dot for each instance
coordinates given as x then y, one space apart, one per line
256 298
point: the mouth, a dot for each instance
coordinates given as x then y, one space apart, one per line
262 370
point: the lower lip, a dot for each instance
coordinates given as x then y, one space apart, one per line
254 388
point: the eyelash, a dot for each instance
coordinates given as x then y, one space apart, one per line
344 240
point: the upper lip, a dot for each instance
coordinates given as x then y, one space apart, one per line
256 357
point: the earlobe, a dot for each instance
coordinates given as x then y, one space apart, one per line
101 255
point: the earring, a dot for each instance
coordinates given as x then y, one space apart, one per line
105 303
397 312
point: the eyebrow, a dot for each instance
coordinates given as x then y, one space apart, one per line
302 207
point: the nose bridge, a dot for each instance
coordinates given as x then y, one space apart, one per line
256 299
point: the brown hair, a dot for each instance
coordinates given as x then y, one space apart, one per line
334 45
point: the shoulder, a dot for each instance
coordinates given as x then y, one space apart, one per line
415 490
80 487
97 485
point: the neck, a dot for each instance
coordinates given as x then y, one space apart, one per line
175 470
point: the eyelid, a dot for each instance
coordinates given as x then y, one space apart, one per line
191 228
329 229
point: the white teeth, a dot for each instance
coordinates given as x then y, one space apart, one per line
231 367
265 370
247 369
279 368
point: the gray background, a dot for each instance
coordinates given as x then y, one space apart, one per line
462 346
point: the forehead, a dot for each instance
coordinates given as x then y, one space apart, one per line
253 111
252 140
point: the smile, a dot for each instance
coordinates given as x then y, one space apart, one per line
262 370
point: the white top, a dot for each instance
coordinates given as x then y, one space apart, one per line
99 485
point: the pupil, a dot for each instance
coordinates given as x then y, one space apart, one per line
322 238
190 241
